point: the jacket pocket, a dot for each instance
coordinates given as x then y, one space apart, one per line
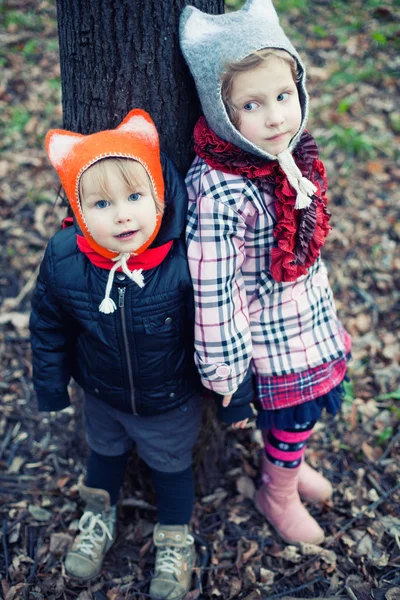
166 324
162 353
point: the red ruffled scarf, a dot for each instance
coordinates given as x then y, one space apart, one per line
299 234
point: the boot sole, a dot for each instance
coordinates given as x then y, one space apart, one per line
315 501
286 540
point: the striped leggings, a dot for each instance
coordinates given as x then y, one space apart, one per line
285 447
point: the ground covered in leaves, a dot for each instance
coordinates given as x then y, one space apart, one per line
352 53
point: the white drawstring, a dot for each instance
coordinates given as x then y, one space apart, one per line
303 186
108 305
89 536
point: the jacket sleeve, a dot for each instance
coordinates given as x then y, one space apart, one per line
52 339
216 252
239 407
176 201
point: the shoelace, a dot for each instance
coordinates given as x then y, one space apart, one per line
169 559
89 537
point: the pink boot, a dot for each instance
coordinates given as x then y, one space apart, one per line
279 501
312 486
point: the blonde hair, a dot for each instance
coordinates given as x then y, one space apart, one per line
132 173
252 61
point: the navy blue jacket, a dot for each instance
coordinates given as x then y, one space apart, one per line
139 359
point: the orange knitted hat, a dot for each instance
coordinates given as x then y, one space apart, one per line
72 153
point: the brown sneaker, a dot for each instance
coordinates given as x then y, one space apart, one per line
175 560
97 529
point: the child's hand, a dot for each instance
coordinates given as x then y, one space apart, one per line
226 400
240 424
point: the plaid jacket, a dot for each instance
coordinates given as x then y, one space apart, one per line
241 313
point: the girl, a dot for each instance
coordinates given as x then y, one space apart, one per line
264 311
113 309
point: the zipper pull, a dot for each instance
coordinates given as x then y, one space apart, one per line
121 299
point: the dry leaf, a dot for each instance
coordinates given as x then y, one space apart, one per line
391 525
235 587
60 543
372 454
375 166
379 561
290 553
39 514
250 552
246 487
17 319
266 576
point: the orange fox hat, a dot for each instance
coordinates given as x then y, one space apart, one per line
72 153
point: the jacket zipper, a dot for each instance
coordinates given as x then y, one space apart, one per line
121 304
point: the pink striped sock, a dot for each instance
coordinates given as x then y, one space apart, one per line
285 448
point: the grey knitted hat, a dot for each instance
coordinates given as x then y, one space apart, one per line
210 42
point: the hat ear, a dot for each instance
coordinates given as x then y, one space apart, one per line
197 25
60 144
139 123
264 8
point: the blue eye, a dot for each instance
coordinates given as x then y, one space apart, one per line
102 204
134 197
250 106
282 96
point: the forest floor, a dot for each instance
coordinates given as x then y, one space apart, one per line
352 53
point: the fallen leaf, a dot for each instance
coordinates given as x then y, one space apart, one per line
39 514
375 166
379 561
246 487
372 454
17 319
267 576
250 552
391 525
60 543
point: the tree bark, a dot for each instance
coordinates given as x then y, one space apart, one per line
116 55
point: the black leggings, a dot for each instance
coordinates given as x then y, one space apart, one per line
174 491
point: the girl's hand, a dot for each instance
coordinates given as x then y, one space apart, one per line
226 400
240 424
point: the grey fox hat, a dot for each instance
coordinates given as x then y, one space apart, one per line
210 42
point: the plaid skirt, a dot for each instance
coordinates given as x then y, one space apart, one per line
288 418
284 402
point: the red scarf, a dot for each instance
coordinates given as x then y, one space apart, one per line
299 234
148 259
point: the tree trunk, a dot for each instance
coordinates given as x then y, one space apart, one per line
116 55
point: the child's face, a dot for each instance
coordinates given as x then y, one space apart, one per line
126 220
268 104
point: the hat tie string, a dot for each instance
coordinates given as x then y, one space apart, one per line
303 186
108 305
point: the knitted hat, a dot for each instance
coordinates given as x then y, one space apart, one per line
210 42
71 154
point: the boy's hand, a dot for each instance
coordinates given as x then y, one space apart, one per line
240 424
226 400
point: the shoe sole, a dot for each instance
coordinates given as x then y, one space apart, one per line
85 579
